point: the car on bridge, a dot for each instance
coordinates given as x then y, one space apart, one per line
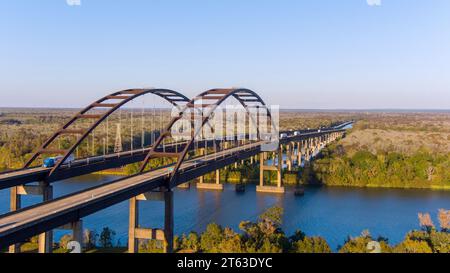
50 162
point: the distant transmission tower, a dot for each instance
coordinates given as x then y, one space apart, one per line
118 145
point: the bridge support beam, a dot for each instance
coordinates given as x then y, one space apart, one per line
299 154
15 200
212 186
45 240
135 232
289 148
278 168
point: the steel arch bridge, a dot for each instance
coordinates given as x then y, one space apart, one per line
123 97
209 101
213 98
155 184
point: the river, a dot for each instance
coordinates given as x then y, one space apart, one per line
330 212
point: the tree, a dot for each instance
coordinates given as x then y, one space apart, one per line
361 244
412 246
190 243
90 238
311 245
265 236
107 237
430 172
271 219
440 242
231 242
444 219
425 221
211 238
65 239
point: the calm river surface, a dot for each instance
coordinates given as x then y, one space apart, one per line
330 212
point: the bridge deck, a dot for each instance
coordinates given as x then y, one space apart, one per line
60 211
99 163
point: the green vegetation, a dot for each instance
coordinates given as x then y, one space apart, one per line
401 151
266 236
410 150
364 169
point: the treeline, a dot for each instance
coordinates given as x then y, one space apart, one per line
422 169
266 236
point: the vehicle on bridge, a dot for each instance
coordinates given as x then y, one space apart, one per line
50 162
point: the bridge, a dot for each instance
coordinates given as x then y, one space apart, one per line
169 161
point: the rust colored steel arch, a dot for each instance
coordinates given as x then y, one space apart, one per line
123 97
244 96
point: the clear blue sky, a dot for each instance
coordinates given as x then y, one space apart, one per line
298 54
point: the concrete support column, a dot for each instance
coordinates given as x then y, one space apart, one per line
217 177
15 204
289 156
135 232
261 170
133 246
201 179
46 238
168 221
280 166
77 232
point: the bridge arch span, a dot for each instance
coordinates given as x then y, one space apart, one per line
123 97
246 97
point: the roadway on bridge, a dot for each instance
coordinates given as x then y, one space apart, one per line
99 163
31 217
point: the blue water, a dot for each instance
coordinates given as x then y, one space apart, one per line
330 212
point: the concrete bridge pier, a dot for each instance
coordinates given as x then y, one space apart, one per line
293 153
211 186
299 154
15 204
45 240
136 232
289 156
278 168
